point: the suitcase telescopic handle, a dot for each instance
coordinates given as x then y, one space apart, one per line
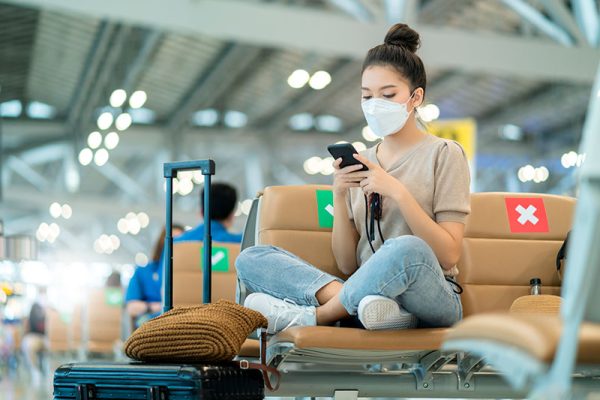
207 167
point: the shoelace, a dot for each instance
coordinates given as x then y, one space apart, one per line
282 311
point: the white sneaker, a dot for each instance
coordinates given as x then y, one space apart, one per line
281 314
379 312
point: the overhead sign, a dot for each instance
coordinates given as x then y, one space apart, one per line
463 131
526 214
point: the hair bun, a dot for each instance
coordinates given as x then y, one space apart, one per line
404 36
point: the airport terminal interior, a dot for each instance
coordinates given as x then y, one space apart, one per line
96 96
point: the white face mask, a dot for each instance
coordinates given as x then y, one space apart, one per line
384 116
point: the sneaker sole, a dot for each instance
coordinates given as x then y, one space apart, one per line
383 314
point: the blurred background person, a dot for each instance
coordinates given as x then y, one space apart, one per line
33 344
144 294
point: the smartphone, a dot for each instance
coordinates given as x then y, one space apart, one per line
346 152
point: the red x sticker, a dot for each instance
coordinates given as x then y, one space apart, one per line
526 214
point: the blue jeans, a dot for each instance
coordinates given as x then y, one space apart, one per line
404 268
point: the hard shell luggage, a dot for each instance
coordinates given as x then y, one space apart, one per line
136 380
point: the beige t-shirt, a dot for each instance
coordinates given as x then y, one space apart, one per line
435 171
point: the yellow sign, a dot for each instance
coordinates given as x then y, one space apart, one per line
463 131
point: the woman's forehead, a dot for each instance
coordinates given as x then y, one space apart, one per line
377 77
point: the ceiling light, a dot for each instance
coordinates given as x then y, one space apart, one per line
101 157
368 134
185 187
142 115
105 120
138 99
123 226
11 108
320 80
85 156
298 78
39 110
328 123
208 117
55 210
143 219
326 166
246 205
118 97
235 119
141 259
301 122
94 140
359 146
67 211
115 241
429 112
111 140
511 132
54 230
123 121
312 166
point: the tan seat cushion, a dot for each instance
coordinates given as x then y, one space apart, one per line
250 348
535 334
327 337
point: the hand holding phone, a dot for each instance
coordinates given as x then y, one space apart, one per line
346 152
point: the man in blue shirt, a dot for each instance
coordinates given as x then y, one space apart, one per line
223 202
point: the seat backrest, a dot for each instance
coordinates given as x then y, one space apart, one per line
57 330
498 258
297 219
103 319
188 277
511 238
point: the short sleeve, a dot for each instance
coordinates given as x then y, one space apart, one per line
451 200
134 289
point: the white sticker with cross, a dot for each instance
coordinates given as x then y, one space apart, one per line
527 214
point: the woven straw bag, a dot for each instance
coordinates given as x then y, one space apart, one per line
209 332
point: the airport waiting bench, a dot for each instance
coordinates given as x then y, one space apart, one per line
510 238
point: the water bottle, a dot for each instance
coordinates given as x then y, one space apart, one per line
536 286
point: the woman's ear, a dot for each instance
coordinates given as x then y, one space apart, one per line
418 97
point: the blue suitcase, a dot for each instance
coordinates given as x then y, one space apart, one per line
135 380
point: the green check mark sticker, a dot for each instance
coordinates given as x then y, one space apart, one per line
113 297
220 258
325 208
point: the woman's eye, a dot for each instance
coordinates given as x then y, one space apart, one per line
366 97
389 96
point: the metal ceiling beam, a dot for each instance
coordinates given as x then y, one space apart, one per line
401 11
355 8
89 72
150 42
563 16
214 81
278 25
586 13
122 180
537 19
29 174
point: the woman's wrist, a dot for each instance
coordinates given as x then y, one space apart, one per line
400 192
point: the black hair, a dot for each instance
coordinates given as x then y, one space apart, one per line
223 200
399 51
